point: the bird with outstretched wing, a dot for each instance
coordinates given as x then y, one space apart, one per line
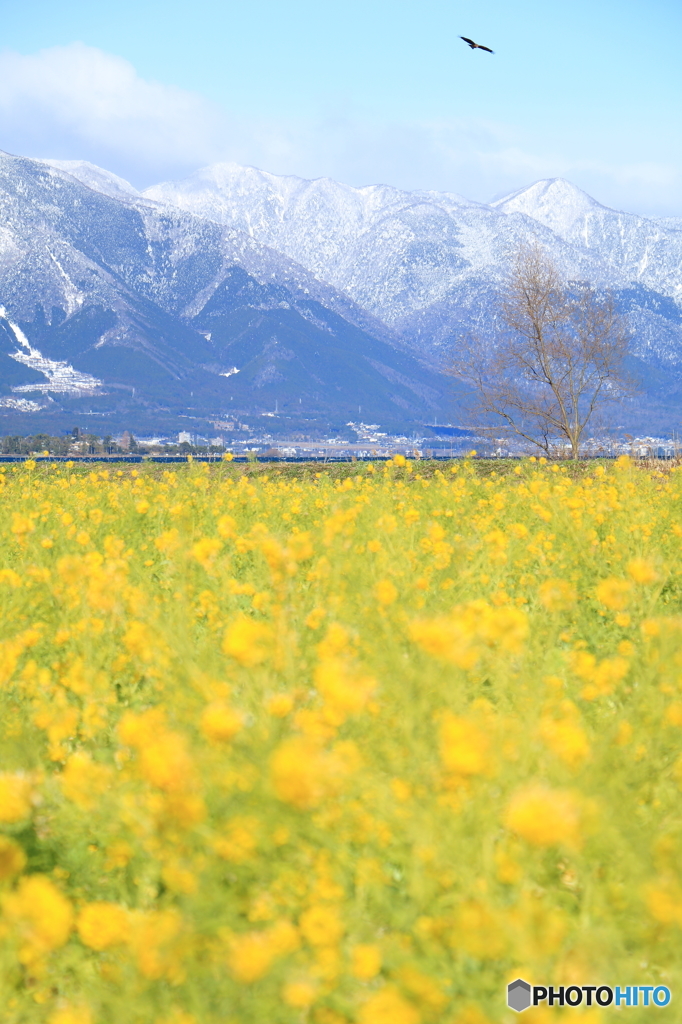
476 46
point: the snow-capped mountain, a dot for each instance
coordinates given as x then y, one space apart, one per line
428 264
114 297
238 268
95 178
633 250
393 252
396 252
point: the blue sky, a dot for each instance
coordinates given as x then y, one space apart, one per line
362 91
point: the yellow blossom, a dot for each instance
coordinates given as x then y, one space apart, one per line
314 619
335 641
614 593
345 690
385 592
15 796
624 734
179 879
280 705
41 916
366 961
664 901
299 994
422 988
84 781
544 816
221 722
12 858
101 925
387 1006
463 746
118 854
240 841
71 1015
566 738
304 773
206 550
462 637
22 524
247 640
137 730
251 955
642 571
153 937
321 926
166 763
227 526
168 541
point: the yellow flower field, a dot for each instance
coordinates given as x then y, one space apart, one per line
360 744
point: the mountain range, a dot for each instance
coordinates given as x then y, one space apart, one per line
236 292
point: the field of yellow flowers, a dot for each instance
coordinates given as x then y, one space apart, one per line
286 745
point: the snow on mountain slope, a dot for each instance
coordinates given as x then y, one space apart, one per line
154 273
60 377
393 252
62 245
428 263
635 248
396 252
670 223
554 202
108 298
95 178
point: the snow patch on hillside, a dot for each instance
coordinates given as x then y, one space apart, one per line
61 378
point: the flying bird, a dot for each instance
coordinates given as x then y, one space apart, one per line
476 46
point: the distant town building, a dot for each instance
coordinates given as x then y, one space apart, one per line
184 437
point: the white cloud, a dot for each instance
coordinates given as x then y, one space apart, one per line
78 102
480 160
72 101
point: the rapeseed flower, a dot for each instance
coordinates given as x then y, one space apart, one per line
101 925
463 746
386 592
642 571
339 745
15 796
40 915
12 858
71 1015
321 926
566 738
304 773
246 640
614 593
219 721
544 816
366 961
388 1007
84 781
299 994
280 705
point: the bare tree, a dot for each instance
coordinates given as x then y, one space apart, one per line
558 359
